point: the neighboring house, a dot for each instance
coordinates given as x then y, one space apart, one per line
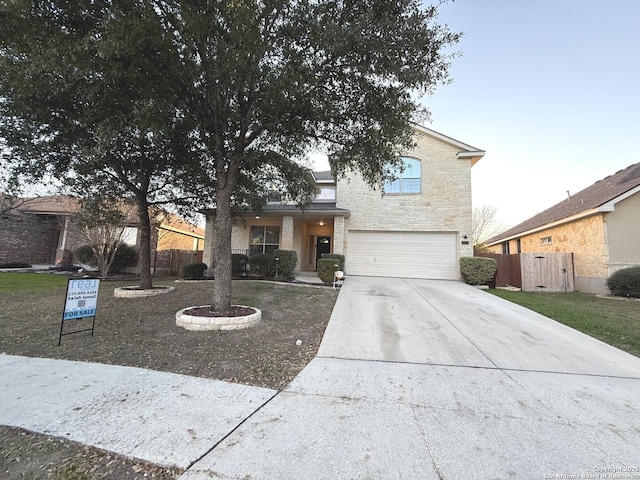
419 228
42 230
600 225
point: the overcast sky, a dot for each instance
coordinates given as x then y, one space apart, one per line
550 89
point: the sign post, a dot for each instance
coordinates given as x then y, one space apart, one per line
81 302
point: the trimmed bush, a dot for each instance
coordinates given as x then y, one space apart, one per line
15 265
239 264
194 271
263 264
287 264
335 256
326 267
124 257
477 270
84 255
625 282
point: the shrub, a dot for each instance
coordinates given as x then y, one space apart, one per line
625 282
239 263
84 255
125 256
287 264
65 267
335 256
477 270
15 265
193 271
264 264
326 267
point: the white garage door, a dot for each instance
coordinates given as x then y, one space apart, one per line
402 254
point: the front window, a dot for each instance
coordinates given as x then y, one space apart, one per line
264 239
406 181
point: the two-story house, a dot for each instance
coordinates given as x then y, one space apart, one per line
419 228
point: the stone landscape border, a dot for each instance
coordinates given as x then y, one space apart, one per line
198 323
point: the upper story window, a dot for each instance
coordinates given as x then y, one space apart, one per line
327 194
545 240
407 180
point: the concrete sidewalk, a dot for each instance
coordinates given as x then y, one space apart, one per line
414 379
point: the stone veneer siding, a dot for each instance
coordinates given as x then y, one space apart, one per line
586 238
444 204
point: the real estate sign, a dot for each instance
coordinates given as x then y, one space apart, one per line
82 299
81 302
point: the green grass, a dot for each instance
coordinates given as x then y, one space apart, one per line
13 281
616 322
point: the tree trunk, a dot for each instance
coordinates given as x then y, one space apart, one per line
222 238
144 255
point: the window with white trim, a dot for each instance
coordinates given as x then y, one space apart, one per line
407 180
545 240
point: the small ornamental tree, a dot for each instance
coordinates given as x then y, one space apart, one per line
101 227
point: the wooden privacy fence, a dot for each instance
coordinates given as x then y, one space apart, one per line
547 272
170 262
534 272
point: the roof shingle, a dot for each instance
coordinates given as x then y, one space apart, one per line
591 197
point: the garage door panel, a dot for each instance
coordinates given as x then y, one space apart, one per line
403 254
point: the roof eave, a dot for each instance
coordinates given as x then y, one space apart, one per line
610 205
444 138
572 218
474 156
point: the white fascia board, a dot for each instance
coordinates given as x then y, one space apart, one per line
449 140
572 218
610 205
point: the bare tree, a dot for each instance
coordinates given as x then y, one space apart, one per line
485 224
101 225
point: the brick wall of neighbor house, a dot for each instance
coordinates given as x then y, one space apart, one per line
170 240
28 238
443 206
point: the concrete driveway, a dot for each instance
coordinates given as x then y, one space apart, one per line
439 380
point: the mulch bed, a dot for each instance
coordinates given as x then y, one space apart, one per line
234 311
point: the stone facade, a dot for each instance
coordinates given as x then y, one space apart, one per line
586 238
444 204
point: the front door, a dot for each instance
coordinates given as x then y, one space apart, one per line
323 245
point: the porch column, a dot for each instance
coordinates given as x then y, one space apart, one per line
338 235
286 235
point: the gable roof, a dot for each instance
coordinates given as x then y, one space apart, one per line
466 151
599 197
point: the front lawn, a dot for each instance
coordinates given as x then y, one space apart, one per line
141 332
13 281
616 322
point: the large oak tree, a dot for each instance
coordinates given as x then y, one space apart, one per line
253 86
268 80
86 97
